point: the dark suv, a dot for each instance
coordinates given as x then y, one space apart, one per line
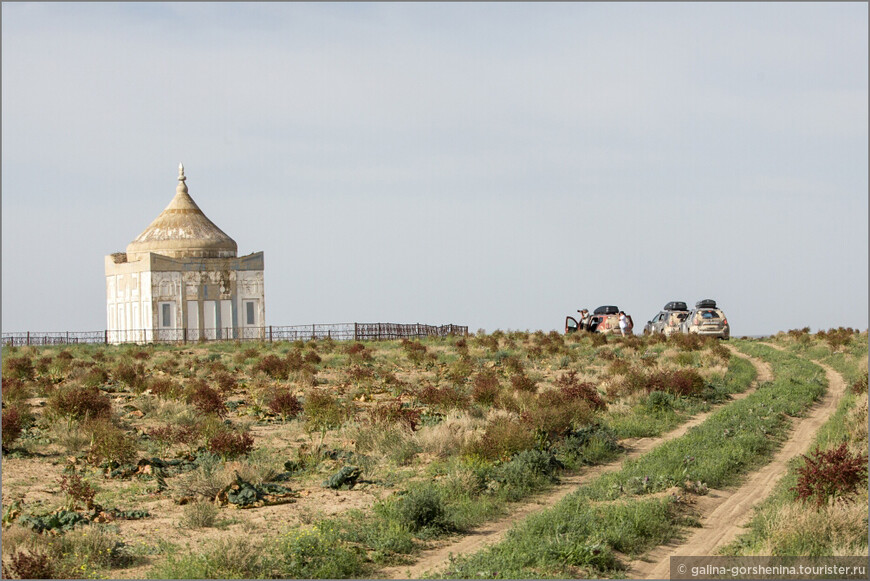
668 320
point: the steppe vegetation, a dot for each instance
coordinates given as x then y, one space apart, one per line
134 461
624 514
820 506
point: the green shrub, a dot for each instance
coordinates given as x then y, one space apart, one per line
323 410
555 415
591 444
459 371
502 438
860 386
132 375
232 558
95 377
422 507
660 400
313 553
384 535
199 514
109 443
526 472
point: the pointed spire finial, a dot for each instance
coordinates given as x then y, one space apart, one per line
181 177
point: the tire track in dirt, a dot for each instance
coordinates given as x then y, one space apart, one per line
492 532
726 512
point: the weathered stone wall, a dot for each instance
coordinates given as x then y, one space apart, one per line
203 294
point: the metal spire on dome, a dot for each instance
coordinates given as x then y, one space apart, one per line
181 188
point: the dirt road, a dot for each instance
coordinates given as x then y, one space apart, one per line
491 533
725 513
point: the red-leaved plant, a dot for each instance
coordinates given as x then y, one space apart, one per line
830 474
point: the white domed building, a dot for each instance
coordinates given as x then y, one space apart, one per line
181 280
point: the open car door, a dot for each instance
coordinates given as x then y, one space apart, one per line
570 325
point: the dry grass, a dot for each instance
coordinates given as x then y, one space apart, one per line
456 432
842 525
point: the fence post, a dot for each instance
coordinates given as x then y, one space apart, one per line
313 332
270 333
355 331
28 337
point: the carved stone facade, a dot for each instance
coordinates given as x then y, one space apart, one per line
181 280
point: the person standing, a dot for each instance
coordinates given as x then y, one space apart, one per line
623 323
584 320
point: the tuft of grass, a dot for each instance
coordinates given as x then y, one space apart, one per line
199 514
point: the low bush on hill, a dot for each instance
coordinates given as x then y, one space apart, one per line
12 425
79 402
273 366
282 402
830 475
206 399
17 368
131 374
485 387
109 443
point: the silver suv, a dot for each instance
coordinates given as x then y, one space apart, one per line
668 320
707 319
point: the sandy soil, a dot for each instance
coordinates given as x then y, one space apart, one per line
493 532
726 512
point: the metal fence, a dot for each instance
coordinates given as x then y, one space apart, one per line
335 331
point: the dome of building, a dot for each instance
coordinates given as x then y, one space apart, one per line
182 231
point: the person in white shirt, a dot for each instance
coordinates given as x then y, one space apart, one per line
623 323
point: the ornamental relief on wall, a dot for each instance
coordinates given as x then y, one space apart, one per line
167 286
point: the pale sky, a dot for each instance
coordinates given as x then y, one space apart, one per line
490 165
